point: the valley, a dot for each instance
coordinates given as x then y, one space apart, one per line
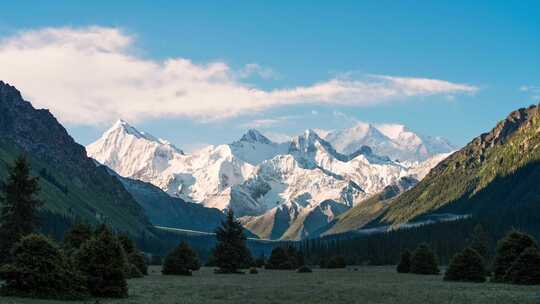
366 285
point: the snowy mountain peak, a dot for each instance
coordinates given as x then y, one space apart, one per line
254 136
393 140
122 128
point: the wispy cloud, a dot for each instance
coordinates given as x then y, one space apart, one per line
269 122
534 91
93 75
251 69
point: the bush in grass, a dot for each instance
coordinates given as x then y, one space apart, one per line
423 260
404 265
181 261
279 260
39 269
509 249
525 270
466 266
285 258
304 269
103 261
253 270
337 261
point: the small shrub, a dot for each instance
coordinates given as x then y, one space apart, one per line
508 250
279 260
253 270
404 265
336 262
526 268
40 270
181 261
304 269
102 260
259 262
466 266
423 260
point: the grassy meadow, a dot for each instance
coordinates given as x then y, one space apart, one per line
365 285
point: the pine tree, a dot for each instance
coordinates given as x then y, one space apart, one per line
181 261
40 270
525 270
480 241
508 250
404 265
18 216
423 260
467 266
103 261
231 252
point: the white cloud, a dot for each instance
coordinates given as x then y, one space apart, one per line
251 69
270 122
93 75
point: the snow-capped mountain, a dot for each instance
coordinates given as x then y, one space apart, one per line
280 190
392 140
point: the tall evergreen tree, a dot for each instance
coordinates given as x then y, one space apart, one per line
508 250
231 252
18 216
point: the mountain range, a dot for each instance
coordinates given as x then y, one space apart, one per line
494 179
364 179
72 186
278 190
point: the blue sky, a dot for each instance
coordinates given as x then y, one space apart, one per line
487 53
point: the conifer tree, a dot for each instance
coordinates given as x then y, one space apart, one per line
231 252
525 270
181 261
404 265
278 259
103 261
18 216
466 266
423 260
508 250
480 241
39 269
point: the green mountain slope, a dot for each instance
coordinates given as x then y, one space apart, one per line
498 173
72 186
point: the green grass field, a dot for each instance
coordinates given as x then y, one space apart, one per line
367 285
